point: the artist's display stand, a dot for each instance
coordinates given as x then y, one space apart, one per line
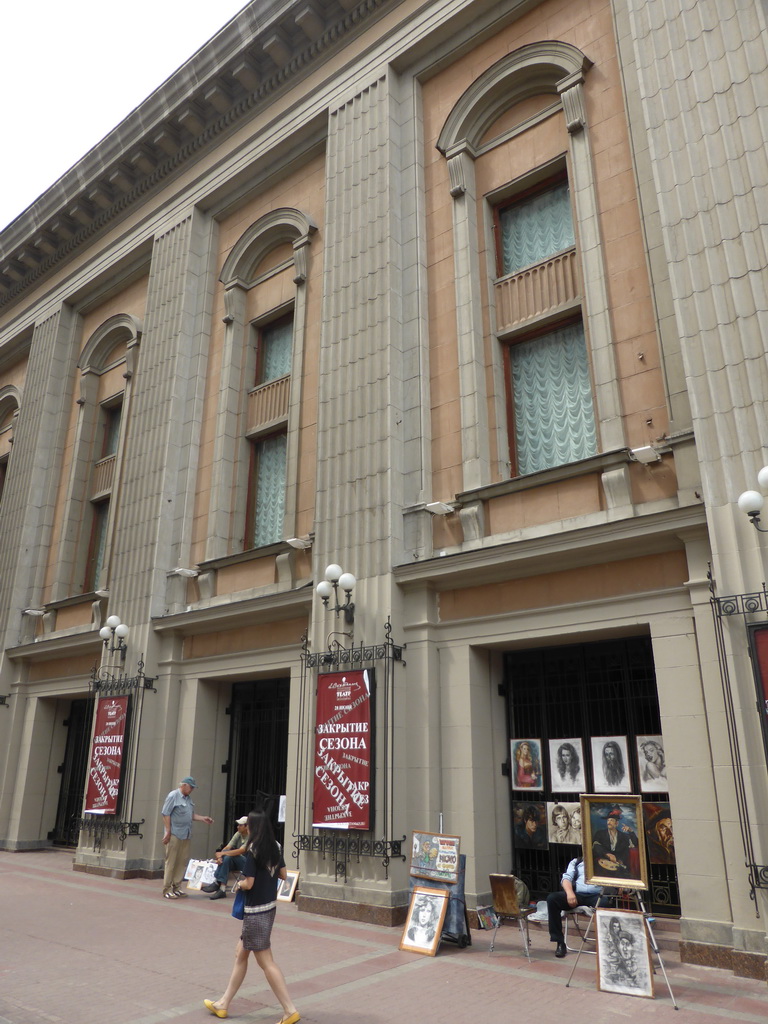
634 896
456 924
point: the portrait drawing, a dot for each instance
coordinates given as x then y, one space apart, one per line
424 923
288 885
610 764
623 953
652 764
526 764
566 766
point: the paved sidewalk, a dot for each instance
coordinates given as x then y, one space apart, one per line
81 949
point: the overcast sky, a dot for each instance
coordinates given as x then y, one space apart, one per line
71 70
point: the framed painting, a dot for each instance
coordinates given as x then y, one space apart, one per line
529 825
287 888
566 766
610 764
652 764
525 770
623 953
659 833
564 823
435 856
614 841
424 923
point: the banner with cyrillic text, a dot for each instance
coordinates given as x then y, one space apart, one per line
104 770
343 750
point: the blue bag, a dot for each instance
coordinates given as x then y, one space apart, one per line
238 907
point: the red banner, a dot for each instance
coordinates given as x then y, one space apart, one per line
104 771
343 750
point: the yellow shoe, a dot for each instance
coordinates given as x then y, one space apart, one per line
208 1004
293 1019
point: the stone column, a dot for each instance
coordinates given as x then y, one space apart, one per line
33 477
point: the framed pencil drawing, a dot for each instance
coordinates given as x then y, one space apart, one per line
566 766
610 764
623 953
424 923
287 888
652 764
614 841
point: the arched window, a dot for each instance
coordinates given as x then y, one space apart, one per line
107 364
554 363
254 489
10 400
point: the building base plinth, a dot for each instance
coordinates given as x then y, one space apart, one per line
388 916
707 954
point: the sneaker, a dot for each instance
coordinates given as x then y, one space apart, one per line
178 893
218 895
170 895
210 887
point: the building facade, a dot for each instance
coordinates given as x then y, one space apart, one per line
465 298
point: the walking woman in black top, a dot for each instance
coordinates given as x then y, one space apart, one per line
264 868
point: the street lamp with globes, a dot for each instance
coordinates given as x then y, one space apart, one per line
335 577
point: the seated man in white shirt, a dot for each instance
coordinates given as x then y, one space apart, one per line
575 892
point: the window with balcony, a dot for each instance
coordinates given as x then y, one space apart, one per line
534 228
107 364
550 394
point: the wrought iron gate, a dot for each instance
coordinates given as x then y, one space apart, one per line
584 690
258 751
73 771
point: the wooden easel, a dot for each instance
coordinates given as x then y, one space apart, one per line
634 895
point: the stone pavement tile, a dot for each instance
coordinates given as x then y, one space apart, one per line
83 949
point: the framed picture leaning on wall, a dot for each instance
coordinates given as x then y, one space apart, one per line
424 923
623 953
287 888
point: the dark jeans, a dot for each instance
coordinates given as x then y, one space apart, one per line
228 864
557 902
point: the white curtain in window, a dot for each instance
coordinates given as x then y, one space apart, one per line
276 344
535 229
270 491
553 412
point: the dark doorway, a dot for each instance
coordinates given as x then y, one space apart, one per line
583 690
258 751
73 771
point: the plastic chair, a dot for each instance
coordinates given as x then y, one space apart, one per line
507 908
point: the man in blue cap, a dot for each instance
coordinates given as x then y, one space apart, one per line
178 814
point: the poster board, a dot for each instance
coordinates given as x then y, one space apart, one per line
435 856
343 757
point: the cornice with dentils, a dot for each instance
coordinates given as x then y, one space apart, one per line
262 50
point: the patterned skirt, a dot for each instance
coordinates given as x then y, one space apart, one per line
257 929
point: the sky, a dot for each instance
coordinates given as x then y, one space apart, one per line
71 70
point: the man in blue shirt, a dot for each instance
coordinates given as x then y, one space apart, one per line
178 814
575 892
